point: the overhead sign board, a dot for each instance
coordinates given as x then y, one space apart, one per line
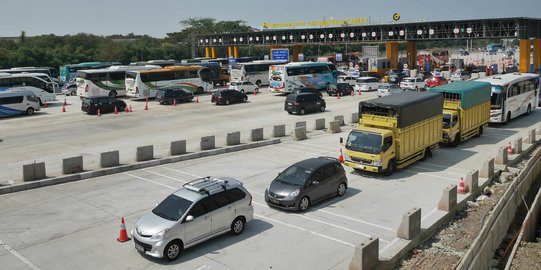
280 54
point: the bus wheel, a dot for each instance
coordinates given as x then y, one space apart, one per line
200 89
529 109
112 94
328 87
508 119
39 101
30 111
73 93
258 83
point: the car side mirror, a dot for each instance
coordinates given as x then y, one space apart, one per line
189 218
341 140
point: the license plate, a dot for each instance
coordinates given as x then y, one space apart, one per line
139 248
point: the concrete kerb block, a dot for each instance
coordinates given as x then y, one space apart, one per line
256 135
207 143
109 159
355 118
300 124
366 255
517 146
300 134
144 153
501 156
34 171
487 171
72 165
410 226
178 148
334 126
320 124
232 138
531 136
472 182
279 131
340 119
448 199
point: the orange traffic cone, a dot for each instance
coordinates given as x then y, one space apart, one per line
360 94
197 100
461 187
116 110
146 106
341 157
353 93
127 109
99 112
174 102
65 103
123 237
509 149
64 108
255 93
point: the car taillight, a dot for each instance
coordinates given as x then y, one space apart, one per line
86 88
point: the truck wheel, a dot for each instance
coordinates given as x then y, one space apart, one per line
456 141
427 154
480 132
390 168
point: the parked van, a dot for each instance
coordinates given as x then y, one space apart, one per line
16 102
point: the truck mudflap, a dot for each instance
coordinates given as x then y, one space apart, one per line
363 167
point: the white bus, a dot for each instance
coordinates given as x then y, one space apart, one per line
257 72
43 89
285 78
16 102
105 82
51 72
145 83
513 94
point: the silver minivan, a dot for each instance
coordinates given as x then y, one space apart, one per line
202 209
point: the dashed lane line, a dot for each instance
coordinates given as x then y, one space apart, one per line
19 256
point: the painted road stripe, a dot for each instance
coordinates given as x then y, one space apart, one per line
19 256
435 170
427 174
445 167
304 152
322 147
165 176
185 173
429 214
150 181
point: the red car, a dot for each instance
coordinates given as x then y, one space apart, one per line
435 81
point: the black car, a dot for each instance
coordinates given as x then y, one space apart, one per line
342 89
91 105
228 96
307 182
169 95
304 102
306 90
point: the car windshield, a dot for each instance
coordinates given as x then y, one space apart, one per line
294 176
446 120
409 80
496 98
172 208
236 83
364 142
384 86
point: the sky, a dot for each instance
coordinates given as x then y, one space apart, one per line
158 17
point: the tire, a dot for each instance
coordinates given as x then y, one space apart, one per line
328 87
427 154
341 189
242 91
529 110
170 102
416 89
227 102
480 132
112 94
237 226
30 111
369 89
302 111
456 141
290 112
508 119
200 89
39 101
391 167
258 83
73 93
304 203
172 250
322 108
244 99
256 90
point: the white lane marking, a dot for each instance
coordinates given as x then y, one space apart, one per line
445 167
19 256
150 181
202 267
429 214
342 216
435 170
305 230
394 241
427 174
165 176
189 174
321 152
283 223
304 152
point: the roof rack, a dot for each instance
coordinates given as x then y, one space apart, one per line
205 184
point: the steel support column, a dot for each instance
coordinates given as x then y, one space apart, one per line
213 52
392 53
537 53
207 52
411 48
229 53
235 52
524 64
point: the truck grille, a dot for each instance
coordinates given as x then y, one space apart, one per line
362 160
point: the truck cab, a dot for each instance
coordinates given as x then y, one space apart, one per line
451 127
371 148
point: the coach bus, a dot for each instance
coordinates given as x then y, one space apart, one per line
44 90
69 72
513 94
51 72
105 82
257 72
285 78
145 83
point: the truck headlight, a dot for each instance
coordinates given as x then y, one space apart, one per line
160 235
377 162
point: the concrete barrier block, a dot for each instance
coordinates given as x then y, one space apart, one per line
448 199
232 138
109 159
366 255
517 146
208 142
472 182
320 124
72 165
355 118
300 134
144 153
334 126
178 148
34 171
487 171
256 135
410 226
501 156
340 119
531 136
279 131
300 124
482 75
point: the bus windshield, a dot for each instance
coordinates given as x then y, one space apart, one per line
364 142
496 98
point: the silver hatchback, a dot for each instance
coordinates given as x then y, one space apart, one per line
202 209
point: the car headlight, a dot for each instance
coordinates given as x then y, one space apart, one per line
160 235
377 162
295 193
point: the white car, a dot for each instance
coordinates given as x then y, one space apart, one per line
244 87
460 75
388 89
411 83
346 79
367 84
